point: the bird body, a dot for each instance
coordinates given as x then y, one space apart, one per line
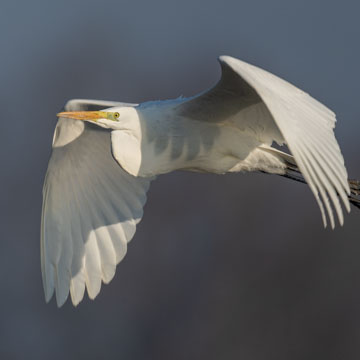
158 140
105 154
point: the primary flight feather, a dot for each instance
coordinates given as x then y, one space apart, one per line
105 155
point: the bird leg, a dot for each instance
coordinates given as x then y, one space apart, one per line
292 172
354 186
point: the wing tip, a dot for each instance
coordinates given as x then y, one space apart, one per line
76 298
49 286
48 296
61 299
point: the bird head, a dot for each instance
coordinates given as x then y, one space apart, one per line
115 118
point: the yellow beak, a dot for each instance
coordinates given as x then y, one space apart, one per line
84 115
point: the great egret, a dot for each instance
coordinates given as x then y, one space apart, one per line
105 155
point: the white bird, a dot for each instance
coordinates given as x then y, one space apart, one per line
103 160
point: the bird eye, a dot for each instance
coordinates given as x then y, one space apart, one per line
116 115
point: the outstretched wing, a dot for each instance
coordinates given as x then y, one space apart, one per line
90 209
292 116
92 105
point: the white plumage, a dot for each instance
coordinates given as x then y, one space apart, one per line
90 210
99 171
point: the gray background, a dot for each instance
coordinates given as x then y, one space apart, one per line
221 267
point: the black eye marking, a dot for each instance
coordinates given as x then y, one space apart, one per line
116 115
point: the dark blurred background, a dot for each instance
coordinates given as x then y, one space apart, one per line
221 267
